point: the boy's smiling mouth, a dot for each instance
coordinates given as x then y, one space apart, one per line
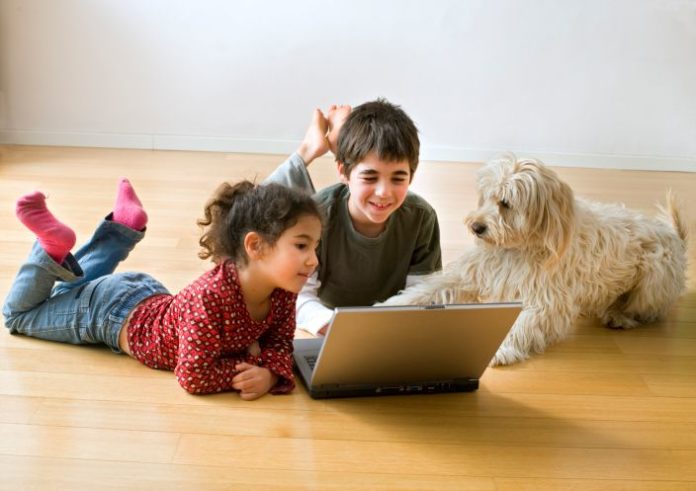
380 206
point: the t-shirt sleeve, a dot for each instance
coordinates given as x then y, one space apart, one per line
427 256
276 344
293 174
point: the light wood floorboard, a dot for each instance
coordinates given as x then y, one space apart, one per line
602 410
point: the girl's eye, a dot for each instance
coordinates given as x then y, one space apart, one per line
301 246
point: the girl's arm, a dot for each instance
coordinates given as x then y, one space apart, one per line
276 344
204 371
201 368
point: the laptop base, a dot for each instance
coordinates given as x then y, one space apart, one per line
440 387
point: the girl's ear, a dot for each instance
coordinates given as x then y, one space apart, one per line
341 175
253 245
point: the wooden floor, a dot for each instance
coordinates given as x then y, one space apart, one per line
602 410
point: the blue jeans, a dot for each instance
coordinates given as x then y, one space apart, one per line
90 304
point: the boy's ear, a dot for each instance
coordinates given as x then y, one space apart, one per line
253 245
341 175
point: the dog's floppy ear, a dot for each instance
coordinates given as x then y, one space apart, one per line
555 207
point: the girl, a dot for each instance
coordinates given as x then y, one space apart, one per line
231 329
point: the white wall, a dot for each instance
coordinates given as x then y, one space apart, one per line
594 82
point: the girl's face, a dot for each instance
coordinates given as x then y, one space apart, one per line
292 260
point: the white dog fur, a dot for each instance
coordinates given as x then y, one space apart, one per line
561 257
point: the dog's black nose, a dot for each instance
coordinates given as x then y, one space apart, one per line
478 228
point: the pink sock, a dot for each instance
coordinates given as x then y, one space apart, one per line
55 237
128 209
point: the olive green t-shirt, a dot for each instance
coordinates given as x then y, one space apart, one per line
358 270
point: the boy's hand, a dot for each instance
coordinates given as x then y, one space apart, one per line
315 143
336 116
252 382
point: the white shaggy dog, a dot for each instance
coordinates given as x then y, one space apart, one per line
562 257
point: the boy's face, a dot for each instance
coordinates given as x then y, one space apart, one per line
377 189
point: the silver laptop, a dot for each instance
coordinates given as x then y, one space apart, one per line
403 349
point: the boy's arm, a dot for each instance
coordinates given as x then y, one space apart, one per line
292 173
312 315
321 136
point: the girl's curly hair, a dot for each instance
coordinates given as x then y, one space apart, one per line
237 209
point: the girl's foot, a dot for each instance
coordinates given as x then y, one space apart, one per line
55 237
128 209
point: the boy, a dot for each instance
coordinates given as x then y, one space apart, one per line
379 238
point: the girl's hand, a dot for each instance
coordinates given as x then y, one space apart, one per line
254 349
252 382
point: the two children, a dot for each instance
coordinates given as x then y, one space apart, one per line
379 237
231 329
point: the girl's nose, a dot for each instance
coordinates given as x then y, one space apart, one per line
313 260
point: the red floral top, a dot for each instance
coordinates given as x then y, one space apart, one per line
202 332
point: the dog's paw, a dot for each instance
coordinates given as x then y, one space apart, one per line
507 355
618 320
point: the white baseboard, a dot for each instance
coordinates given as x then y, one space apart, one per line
67 139
559 159
284 147
220 144
59 139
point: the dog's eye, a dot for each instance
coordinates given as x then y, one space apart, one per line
504 204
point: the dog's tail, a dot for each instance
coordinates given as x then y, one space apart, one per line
673 212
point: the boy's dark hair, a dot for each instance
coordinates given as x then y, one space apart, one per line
380 127
235 210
